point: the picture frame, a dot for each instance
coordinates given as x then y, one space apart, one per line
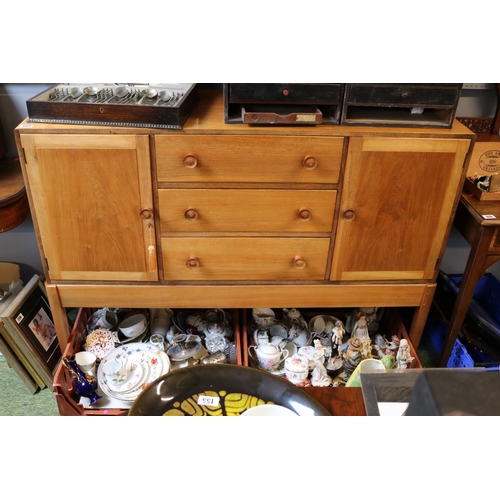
28 320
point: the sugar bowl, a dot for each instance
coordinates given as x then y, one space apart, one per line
267 355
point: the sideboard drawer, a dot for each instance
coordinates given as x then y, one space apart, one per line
250 159
245 258
246 210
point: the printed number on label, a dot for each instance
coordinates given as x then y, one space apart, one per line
208 400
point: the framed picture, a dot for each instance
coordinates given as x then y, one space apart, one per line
28 319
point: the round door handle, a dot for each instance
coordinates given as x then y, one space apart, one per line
304 214
146 213
349 214
192 263
190 161
299 263
310 162
191 214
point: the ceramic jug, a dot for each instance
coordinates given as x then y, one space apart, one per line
268 355
86 385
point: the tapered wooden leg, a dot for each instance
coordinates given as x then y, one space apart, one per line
59 316
420 316
474 270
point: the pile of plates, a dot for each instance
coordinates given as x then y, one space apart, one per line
141 363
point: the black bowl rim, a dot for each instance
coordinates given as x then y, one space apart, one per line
266 389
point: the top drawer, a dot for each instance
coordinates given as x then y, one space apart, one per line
403 95
301 93
257 159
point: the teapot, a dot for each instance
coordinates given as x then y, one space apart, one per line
268 355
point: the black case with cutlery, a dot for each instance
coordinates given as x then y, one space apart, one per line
123 105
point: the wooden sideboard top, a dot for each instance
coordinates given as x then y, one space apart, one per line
208 117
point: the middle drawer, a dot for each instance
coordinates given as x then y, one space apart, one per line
246 210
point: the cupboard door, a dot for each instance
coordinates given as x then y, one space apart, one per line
92 195
396 207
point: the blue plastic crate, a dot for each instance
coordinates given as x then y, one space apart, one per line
463 354
487 293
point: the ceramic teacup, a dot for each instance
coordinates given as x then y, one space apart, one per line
112 367
263 317
86 361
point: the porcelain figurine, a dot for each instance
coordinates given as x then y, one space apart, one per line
366 349
403 357
372 316
319 375
351 358
360 328
86 385
338 332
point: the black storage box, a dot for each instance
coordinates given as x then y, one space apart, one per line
283 103
430 105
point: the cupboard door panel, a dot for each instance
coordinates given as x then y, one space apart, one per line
93 201
396 207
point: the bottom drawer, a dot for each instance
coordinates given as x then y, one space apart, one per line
68 401
390 325
245 258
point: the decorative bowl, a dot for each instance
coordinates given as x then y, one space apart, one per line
232 390
133 326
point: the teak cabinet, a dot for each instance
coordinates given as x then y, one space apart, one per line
235 215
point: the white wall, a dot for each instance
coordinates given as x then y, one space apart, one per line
19 244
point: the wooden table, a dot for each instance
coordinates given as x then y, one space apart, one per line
479 223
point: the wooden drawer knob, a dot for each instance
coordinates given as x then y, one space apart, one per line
299 263
349 214
304 214
192 263
310 162
190 161
146 213
191 214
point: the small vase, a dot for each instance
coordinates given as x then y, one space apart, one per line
86 385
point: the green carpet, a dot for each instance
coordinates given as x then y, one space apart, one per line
16 399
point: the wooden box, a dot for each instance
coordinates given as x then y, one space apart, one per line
430 105
485 162
283 103
111 106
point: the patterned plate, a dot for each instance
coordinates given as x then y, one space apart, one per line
154 363
132 379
